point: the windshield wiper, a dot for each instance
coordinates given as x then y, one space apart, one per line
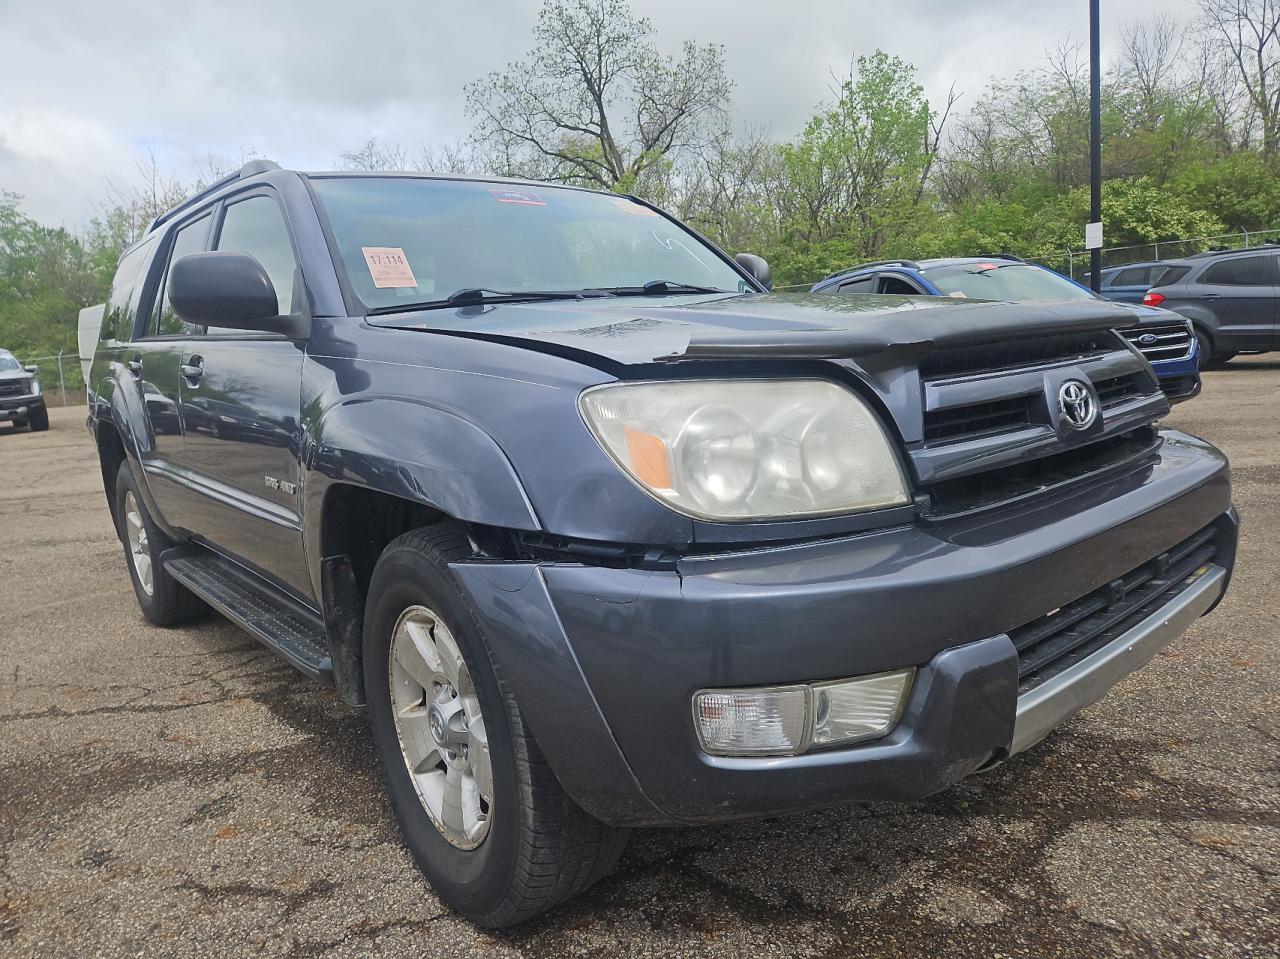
661 287
475 296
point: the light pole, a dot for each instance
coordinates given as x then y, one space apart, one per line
1093 233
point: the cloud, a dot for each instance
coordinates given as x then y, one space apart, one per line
89 87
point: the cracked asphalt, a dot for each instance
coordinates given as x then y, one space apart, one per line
185 793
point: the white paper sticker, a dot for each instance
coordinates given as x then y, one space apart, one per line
388 266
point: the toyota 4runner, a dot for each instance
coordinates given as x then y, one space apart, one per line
604 534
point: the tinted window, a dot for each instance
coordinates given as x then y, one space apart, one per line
8 364
896 284
1246 271
256 226
126 293
406 240
1133 276
1013 281
864 285
1170 275
188 239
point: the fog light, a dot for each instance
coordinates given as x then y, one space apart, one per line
741 722
854 710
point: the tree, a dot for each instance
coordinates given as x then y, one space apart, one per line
594 102
855 176
1248 34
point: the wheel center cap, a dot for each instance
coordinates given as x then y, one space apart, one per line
435 721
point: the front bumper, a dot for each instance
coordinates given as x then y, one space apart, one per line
604 661
20 407
1180 379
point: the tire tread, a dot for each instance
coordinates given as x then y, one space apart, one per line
562 849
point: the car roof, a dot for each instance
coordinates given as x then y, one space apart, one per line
264 169
922 266
1199 259
1131 266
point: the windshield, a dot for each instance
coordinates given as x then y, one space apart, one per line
8 364
406 241
1011 281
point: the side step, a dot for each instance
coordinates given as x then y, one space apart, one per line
279 621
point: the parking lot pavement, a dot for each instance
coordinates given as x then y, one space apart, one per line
184 793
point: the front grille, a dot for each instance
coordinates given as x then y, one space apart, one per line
13 389
1011 354
1173 341
1120 389
966 495
1178 386
980 419
1054 643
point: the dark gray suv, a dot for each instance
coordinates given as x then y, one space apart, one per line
1230 298
602 533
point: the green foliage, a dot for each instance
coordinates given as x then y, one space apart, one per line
1240 190
46 276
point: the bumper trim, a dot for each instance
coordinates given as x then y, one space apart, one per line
1052 703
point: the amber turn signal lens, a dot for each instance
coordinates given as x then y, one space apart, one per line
649 460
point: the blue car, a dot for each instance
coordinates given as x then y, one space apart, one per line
1164 337
1129 283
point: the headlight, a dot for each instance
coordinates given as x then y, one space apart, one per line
748 449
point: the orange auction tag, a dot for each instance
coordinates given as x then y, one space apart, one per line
388 266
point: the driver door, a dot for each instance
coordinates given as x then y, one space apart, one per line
240 403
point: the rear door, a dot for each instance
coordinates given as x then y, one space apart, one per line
143 363
239 397
1241 292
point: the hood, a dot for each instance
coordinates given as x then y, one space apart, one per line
8 376
760 325
1153 315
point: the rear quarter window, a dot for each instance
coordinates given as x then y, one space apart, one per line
1170 276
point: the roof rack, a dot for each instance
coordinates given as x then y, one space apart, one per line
909 264
252 168
1216 251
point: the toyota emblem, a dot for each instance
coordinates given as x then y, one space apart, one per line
1076 402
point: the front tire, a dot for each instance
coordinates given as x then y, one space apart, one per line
1209 358
38 419
479 808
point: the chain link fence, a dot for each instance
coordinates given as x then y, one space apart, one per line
70 378
1075 263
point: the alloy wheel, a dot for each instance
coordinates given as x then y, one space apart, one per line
440 727
139 546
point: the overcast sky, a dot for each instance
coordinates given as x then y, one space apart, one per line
87 87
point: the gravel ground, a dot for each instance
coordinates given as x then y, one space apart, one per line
185 793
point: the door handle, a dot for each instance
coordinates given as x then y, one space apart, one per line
134 366
1211 296
193 369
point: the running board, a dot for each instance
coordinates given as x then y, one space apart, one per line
279 621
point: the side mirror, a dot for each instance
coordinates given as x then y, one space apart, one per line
229 289
32 369
758 267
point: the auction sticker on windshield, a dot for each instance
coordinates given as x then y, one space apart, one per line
388 266
527 197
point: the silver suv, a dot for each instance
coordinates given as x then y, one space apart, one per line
21 402
1230 298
